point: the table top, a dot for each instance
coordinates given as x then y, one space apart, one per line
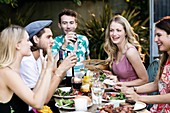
93 109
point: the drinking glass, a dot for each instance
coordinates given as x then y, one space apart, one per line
97 90
77 82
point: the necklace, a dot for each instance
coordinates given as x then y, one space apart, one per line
13 69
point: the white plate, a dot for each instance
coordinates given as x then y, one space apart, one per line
73 108
139 106
66 89
116 102
109 82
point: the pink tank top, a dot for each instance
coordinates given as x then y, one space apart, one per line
124 70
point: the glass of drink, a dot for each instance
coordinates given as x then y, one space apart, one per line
76 82
97 92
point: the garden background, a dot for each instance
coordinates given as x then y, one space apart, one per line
93 18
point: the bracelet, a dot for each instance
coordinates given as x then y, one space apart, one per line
134 88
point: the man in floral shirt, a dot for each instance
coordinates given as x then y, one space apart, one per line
70 40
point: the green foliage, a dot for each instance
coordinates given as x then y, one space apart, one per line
20 17
140 27
94 29
13 3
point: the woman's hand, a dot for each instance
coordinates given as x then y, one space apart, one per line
131 94
110 75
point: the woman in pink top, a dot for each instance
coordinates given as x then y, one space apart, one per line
162 82
123 57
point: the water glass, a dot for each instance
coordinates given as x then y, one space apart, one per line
97 90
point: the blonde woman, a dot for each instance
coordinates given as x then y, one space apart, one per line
123 57
15 96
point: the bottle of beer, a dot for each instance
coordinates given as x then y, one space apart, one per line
70 74
60 58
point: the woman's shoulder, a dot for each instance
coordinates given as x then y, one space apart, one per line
131 49
132 52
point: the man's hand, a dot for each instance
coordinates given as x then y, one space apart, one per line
69 38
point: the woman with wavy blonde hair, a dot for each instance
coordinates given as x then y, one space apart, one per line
14 94
123 57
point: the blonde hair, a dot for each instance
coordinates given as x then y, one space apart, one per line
9 37
110 48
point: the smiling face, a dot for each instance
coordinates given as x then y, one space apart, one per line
117 33
68 24
162 39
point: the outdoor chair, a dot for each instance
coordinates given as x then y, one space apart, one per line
152 69
152 72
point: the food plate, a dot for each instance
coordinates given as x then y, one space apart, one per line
66 89
139 106
116 102
109 82
72 108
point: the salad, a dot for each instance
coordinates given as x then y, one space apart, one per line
113 96
68 102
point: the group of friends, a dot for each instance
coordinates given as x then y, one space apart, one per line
29 75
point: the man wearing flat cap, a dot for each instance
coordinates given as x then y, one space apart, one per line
40 36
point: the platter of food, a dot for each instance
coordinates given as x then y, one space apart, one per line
109 82
69 104
113 97
66 92
127 106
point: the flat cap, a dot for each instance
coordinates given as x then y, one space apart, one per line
34 27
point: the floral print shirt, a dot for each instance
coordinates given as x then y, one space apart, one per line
164 88
82 48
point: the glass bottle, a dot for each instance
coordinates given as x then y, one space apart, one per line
70 74
60 58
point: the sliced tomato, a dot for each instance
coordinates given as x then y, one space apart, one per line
113 94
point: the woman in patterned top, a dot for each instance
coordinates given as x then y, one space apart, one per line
162 82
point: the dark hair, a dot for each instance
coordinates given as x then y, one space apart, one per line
34 46
164 24
67 12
